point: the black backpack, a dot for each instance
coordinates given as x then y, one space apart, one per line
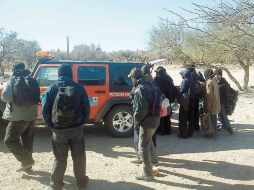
231 101
26 91
64 110
155 105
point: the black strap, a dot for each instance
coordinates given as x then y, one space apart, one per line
11 108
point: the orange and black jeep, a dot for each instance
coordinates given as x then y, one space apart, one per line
107 85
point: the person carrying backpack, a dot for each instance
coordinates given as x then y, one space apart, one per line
192 68
145 70
146 119
224 94
65 108
21 94
166 85
186 101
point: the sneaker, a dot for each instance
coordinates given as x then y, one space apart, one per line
136 161
25 167
156 171
144 177
52 188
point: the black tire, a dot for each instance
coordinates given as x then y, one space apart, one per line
119 121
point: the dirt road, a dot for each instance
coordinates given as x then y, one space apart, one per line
226 163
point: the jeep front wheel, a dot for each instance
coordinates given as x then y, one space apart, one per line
119 121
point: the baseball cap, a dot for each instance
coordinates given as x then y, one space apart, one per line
135 72
145 69
161 70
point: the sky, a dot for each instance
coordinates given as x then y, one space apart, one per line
112 24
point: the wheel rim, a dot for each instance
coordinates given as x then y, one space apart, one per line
122 122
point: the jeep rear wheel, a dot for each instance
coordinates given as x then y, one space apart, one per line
119 121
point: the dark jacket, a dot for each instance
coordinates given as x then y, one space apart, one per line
13 112
224 90
81 102
187 83
194 75
142 103
167 87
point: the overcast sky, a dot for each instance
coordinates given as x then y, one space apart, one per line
112 24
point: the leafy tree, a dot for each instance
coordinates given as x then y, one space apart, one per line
128 55
221 34
85 52
27 51
9 46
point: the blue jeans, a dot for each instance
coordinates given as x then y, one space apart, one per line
224 119
214 124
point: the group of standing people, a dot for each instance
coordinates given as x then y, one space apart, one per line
200 96
66 108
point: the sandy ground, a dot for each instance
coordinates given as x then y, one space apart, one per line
226 163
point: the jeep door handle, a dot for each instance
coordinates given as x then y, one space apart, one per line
100 91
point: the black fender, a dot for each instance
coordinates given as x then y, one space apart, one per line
108 105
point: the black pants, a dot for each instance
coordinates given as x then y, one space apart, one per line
186 120
3 126
165 125
19 139
196 114
63 140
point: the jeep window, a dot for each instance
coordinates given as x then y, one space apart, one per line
47 75
91 76
118 74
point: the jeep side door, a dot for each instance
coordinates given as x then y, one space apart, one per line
45 76
94 78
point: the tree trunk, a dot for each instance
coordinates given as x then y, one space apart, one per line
246 76
232 78
246 68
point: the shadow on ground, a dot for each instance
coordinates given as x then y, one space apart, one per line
202 183
94 184
99 141
220 169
